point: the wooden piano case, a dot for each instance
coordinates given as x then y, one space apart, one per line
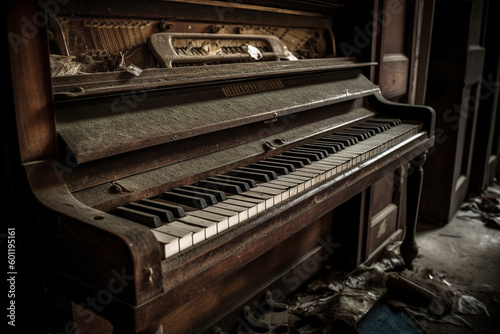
66 177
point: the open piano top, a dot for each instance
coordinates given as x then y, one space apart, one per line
185 156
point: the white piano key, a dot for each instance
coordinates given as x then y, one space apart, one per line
221 221
232 217
251 208
285 190
299 183
169 244
260 204
210 227
241 211
270 191
184 237
268 199
198 232
291 186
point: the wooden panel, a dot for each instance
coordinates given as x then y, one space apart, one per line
382 194
381 227
394 80
234 291
394 24
30 64
392 52
382 213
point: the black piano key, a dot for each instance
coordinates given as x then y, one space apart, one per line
210 199
219 195
177 211
347 140
363 133
357 135
381 125
335 143
295 158
321 151
289 166
329 148
193 201
294 162
270 174
391 121
143 218
251 183
370 130
243 185
276 169
228 188
164 215
300 153
375 129
250 175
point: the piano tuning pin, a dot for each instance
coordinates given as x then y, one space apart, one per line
255 323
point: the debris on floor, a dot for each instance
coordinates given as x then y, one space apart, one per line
384 292
424 294
484 207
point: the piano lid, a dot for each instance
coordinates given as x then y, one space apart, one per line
98 128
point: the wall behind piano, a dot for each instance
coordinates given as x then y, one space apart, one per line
453 90
396 35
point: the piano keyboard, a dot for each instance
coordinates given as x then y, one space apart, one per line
187 215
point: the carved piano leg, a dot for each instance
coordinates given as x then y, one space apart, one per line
409 248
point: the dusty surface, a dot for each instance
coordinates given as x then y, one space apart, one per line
467 252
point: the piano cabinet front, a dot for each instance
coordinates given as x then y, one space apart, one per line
350 233
342 231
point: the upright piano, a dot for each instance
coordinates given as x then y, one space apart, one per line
171 160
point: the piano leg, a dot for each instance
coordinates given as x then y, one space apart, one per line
409 247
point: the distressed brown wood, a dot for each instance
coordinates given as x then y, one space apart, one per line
35 115
382 213
85 253
306 252
96 129
409 248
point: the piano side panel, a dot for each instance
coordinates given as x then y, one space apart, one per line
91 244
29 65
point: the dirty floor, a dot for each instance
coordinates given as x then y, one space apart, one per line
467 252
